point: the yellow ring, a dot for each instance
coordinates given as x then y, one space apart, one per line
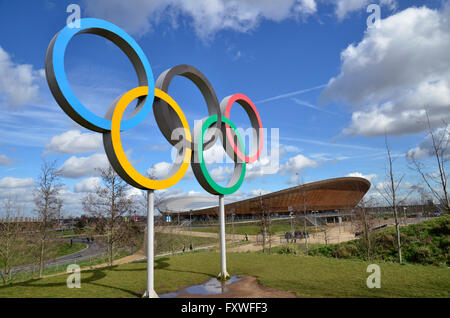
141 180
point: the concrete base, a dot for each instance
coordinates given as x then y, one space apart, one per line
223 276
153 294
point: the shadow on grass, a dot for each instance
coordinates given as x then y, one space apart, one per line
161 263
95 275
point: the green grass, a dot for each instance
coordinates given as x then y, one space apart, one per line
305 276
167 242
62 248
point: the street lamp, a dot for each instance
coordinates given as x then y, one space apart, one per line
315 220
291 215
292 221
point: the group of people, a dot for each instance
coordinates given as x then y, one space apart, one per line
291 237
191 247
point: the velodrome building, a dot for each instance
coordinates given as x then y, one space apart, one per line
331 195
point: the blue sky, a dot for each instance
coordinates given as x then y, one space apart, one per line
314 70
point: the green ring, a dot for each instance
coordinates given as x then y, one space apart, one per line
218 188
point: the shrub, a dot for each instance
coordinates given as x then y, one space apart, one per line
286 249
346 251
423 243
419 254
324 250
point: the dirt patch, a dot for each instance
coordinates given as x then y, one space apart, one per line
247 287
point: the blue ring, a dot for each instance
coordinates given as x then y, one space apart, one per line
92 121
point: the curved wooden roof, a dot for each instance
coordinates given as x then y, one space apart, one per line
331 194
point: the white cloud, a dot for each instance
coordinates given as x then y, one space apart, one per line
5 161
72 202
295 165
344 7
369 177
76 167
262 167
87 185
221 173
161 170
419 152
18 82
74 142
135 192
216 154
284 149
206 17
12 183
265 166
257 192
397 73
20 189
425 148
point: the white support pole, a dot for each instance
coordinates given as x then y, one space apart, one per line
223 253
150 293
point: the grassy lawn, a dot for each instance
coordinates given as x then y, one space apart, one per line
305 276
167 242
61 248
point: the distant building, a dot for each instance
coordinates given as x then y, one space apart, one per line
322 196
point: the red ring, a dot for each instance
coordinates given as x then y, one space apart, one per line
235 98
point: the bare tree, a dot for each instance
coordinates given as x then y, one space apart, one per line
390 192
436 182
110 204
265 223
363 225
304 208
48 205
132 234
424 199
12 242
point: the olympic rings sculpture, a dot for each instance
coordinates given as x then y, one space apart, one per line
168 114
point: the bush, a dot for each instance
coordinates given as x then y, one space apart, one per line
419 254
324 250
286 249
346 251
424 243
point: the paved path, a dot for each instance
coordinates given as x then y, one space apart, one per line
93 249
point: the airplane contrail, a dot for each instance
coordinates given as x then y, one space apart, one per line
302 91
